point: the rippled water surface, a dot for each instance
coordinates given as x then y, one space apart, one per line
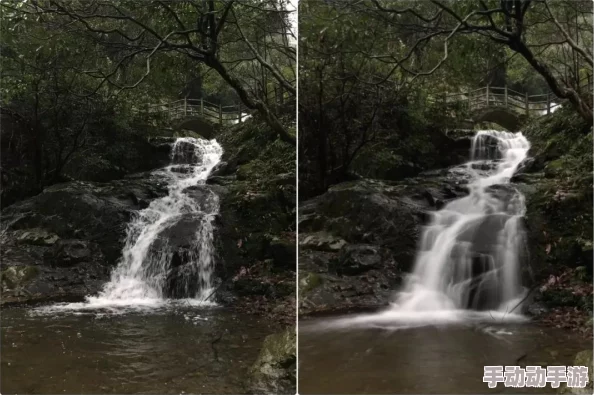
445 359
172 350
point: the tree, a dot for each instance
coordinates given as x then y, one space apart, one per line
532 29
207 32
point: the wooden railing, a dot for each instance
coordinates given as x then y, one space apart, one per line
187 108
492 96
216 113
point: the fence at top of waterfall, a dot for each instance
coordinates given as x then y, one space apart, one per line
522 103
216 113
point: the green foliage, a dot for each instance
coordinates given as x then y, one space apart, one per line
373 73
75 86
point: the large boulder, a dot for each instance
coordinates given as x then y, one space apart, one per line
72 233
274 371
358 238
255 231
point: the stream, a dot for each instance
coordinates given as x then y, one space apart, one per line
460 307
432 359
154 327
174 349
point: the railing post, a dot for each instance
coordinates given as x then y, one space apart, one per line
527 105
548 103
202 107
505 95
185 107
220 114
487 95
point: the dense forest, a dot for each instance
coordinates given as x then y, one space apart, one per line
148 174
77 77
372 72
445 171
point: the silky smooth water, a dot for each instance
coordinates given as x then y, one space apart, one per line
467 265
440 359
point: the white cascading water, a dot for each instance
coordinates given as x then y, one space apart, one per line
467 265
468 255
141 275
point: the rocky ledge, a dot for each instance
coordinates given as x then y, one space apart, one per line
62 243
358 239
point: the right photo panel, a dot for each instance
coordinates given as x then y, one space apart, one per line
445 197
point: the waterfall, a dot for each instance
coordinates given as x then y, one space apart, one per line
143 271
467 264
168 250
468 254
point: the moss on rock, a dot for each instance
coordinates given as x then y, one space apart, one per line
583 358
16 278
274 371
309 282
559 208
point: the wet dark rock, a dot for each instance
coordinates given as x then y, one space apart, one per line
182 280
185 153
320 241
36 236
71 252
283 253
221 169
360 258
73 233
182 169
536 309
359 238
221 180
255 230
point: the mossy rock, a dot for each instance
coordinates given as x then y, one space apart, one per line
36 236
583 358
309 282
555 168
17 277
274 371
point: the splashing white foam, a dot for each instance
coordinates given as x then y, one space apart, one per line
142 275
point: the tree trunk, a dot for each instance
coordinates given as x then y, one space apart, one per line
564 93
269 117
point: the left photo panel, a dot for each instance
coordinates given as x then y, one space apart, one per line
148 173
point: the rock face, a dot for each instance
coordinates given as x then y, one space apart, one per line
255 230
557 185
72 233
67 238
274 371
357 239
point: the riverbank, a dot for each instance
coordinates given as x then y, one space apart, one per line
63 244
359 239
